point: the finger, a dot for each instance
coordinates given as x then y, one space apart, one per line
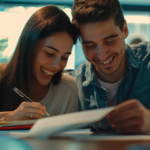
34 110
131 130
125 106
44 108
121 126
34 116
126 115
33 104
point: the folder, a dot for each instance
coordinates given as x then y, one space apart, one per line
23 122
17 125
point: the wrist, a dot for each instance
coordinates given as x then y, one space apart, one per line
6 116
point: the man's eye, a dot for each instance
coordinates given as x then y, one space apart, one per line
110 42
89 46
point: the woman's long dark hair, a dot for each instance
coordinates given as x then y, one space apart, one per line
43 23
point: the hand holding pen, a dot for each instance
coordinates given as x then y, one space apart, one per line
29 109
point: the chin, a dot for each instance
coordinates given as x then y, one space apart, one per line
44 83
110 71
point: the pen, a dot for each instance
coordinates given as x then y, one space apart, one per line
26 98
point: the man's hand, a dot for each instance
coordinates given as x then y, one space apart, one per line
130 117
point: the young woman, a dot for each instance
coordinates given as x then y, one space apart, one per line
36 69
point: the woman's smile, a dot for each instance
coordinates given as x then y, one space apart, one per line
47 72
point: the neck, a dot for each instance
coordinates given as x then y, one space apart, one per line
112 78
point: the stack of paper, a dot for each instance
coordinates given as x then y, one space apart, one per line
49 126
16 125
24 122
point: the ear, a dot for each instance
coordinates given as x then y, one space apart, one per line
125 29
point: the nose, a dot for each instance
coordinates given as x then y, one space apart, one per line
101 52
56 63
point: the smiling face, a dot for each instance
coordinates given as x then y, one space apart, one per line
103 45
51 56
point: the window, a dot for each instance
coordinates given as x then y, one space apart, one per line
12 23
13 19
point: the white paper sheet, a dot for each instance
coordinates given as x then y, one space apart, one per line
49 126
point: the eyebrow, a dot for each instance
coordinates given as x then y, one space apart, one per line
53 48
109 37
86 42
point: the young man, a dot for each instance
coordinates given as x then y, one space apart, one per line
115 73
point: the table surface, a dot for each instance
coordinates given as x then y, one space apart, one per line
66 144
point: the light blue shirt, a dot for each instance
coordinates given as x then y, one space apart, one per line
134 85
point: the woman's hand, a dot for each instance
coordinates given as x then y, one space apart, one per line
130 117
28 110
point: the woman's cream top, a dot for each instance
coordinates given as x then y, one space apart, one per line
62 98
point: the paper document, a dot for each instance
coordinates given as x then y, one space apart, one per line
49 126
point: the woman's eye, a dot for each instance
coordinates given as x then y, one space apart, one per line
64 58
49 54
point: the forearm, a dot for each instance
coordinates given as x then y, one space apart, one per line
5 116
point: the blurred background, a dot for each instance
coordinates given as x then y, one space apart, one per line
15 13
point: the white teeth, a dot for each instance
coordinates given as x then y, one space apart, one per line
106 62
47 72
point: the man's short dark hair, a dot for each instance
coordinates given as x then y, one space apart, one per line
90 11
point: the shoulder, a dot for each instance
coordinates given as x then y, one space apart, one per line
141 45
80 71
67 79
68 82
141 50
138 54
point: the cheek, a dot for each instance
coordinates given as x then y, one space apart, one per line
89 53
41 60
121 49
115 48
63 64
